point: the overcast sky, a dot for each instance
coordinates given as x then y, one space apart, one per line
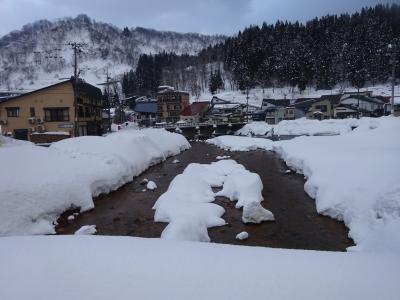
203 16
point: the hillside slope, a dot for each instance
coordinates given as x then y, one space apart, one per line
39 53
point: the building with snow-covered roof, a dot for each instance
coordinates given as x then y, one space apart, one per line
277 110
227 112
195 112
365 106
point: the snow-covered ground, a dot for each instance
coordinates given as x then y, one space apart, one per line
255 128
187 207
238 143
354 176
37 184
305 126
95 267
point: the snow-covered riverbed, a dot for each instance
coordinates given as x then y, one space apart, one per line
353 176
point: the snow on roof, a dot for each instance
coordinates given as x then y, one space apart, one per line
227 106
364 98
171 91
195 108
166 87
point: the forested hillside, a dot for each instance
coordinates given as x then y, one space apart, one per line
39 53
324 52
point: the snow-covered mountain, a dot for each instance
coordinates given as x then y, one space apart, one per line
39 53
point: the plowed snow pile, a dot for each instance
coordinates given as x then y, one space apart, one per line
37 184
354 176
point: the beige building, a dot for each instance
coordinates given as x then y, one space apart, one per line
49 113
170 104
323 108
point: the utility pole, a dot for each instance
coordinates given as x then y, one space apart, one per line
107 84
76 47
108 101
393 61
247 105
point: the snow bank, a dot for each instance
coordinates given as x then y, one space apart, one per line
99 267
354 178
37 184
255 128
187 207
305 126
240 143
10 142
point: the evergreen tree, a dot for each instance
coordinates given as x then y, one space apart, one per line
126 32
323 52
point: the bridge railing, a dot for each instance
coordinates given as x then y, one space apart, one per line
193 124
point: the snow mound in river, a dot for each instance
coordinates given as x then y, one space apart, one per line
187 207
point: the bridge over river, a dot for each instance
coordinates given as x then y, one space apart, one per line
202 130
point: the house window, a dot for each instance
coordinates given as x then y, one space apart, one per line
87 112
12 112
32 112
80 112
56 114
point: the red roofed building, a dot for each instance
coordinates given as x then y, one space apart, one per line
195 111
